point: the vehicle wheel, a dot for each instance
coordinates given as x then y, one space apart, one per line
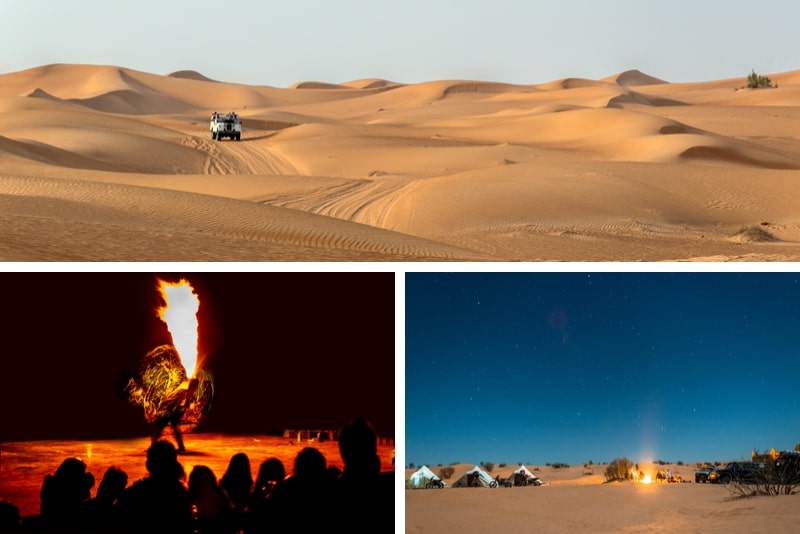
238 137
493 484
213 135
428 485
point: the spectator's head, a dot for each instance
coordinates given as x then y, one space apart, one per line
270 471
202 481
113 483
358 444
73 479
309 464
9 517
162 461
239 469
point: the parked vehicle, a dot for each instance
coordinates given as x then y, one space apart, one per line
787 467
743 472
704 473
435 483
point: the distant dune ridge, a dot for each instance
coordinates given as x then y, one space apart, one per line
109 163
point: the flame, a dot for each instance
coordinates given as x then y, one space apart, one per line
180 314
647 479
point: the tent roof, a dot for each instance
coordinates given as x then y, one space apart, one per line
525 471
425 472
481 473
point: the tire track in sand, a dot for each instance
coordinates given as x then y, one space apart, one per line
362 201
164 219
240 157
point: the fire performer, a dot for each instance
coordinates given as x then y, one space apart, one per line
170 387
179 401
167 396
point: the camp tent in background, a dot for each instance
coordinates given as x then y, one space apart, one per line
475 477
524 477
421 477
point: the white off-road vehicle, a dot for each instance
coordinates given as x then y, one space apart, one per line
227 125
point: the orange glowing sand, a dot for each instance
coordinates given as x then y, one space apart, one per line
23 465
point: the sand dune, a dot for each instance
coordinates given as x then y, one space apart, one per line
107 163
577 498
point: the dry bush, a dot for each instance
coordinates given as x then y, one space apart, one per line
754 234
446 472
780 480
619 469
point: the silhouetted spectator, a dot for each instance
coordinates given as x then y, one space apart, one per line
10 520
98 512
367 494
270 473
63 495
309 492
237 481
158 502
213 513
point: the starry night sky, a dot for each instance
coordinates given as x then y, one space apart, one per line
287 350
572 367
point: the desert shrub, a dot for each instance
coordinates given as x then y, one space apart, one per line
754 234
619 469
559 465
488 466
756 81
411 465
501 465
679 462
446 472
770 484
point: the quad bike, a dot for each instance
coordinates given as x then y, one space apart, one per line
505 482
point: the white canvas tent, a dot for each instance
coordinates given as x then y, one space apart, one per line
475 476
421 476
527 475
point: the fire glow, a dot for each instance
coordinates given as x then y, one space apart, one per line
179 312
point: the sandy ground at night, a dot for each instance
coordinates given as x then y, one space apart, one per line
576 499
112 164
23 465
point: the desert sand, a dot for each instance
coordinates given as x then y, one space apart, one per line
576 499
105 163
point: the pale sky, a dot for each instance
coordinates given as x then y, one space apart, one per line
278 43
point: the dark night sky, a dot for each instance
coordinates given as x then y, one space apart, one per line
572 367
286 350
